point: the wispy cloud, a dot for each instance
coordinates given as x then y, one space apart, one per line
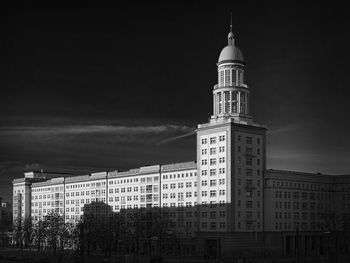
284 129
175 138
93 129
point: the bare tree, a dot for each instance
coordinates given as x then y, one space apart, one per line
337 228
38 234
57 235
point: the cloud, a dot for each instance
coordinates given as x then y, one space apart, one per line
93 129
175 138
284 129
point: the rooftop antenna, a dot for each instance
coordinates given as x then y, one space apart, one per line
231 23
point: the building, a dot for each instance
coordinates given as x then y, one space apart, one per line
5 216
226 201
22 193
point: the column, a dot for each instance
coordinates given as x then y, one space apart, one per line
214 104
238 102
246 103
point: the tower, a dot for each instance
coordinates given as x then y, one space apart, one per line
230 154
231 94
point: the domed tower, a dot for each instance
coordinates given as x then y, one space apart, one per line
231 152
231 94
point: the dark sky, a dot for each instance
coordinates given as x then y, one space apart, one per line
95 89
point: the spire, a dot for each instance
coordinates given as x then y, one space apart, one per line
230 37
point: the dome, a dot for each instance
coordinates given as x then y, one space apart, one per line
231 52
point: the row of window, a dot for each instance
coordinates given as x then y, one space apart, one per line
229 77
298 215
248 139
213 193
48 196
180 204
47 189
93 184
296 225
213 225
179 195
213 172
303 195
302 205
180 185
182 175
308 186
213 140
213 182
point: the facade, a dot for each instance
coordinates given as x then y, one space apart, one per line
226 199
5 216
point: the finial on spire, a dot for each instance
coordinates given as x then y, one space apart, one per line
230 37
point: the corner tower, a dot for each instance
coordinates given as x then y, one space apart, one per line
230 154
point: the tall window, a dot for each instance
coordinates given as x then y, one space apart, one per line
240 77
242 102
234 77
221 80
220 102
227 101
227 77
234 102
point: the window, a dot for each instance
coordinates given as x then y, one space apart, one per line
249 172
221 79
249 160
249 140
234 77
227 101
240 76
212 140
249 204
204 141
227 77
